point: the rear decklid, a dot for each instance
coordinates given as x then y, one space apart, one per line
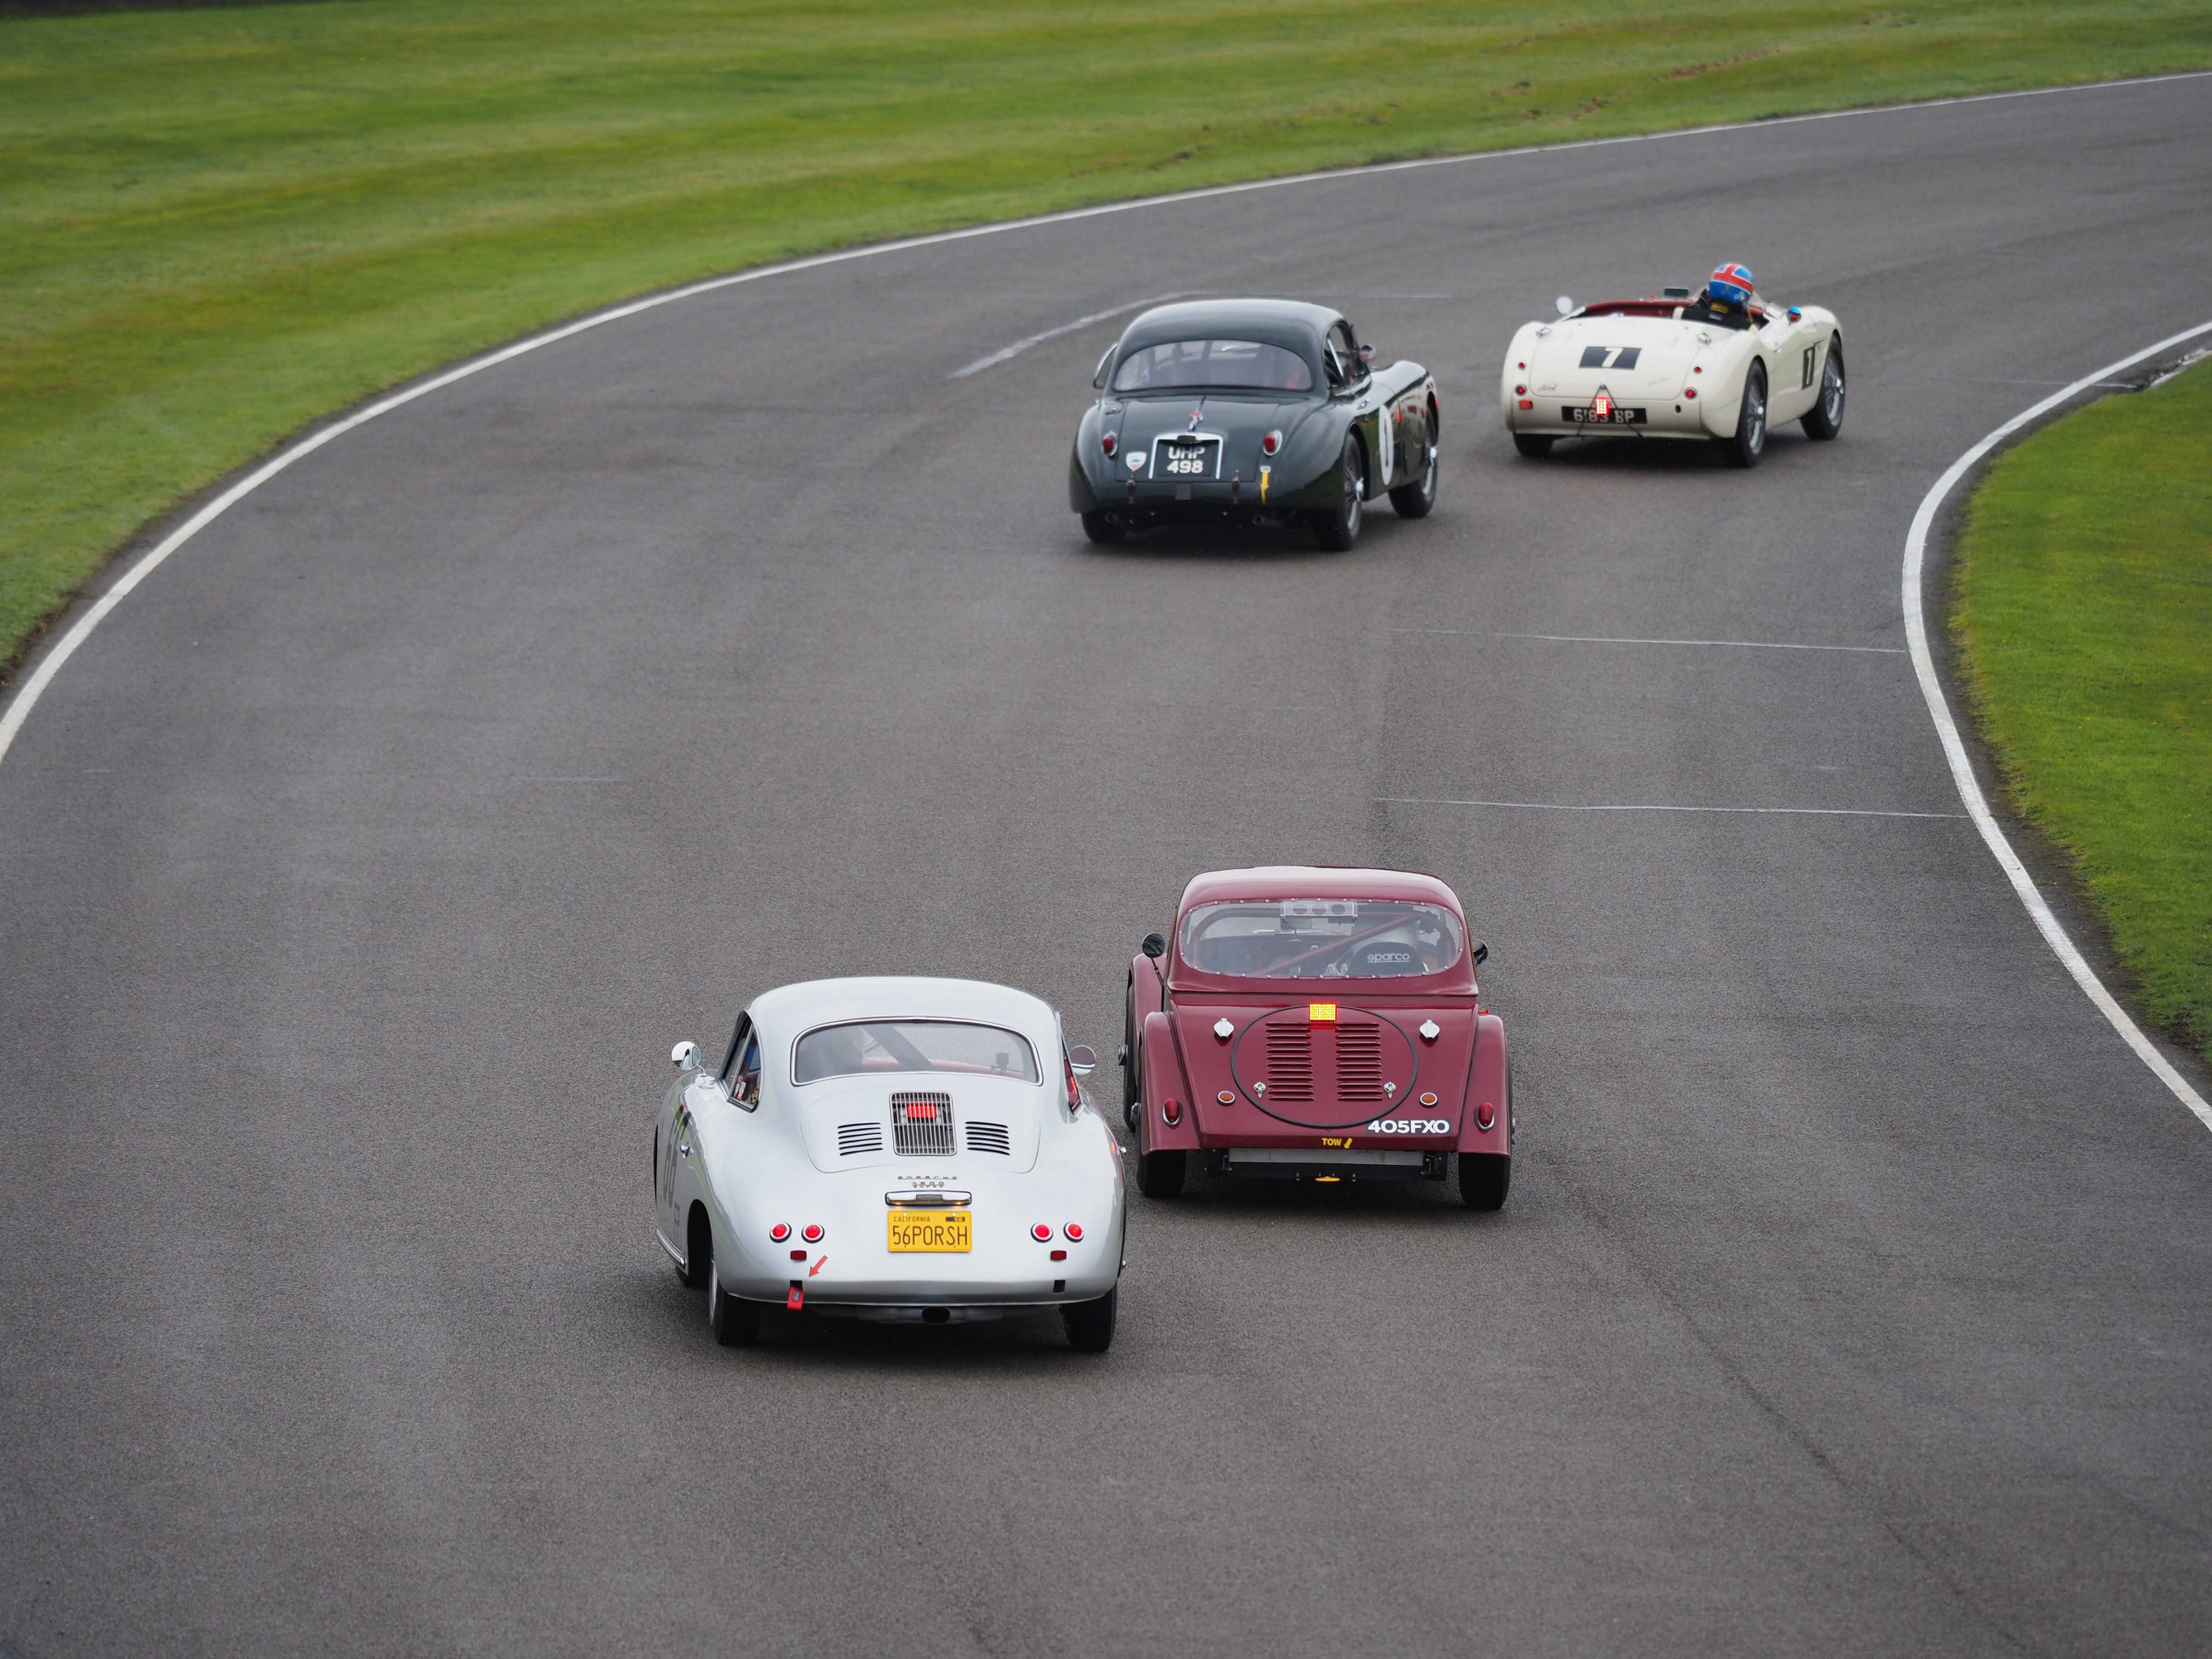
1632 358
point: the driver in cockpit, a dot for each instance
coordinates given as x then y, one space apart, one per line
1727 298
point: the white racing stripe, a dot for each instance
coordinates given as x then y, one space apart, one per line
1006 353
33 688
1954 747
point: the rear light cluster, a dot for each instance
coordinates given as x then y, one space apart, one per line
812 1234
1486 1116
1043 1232
1269 444
1171 1110
1109 444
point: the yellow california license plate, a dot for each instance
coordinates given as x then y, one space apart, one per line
932 1229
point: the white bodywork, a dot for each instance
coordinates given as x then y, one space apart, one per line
1563 364
746 1171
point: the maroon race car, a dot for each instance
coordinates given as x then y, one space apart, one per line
1317 1024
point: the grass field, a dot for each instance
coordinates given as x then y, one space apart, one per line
2083 609
221 224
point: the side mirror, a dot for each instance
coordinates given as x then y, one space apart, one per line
1098 380
1564 304
1482 954
1082 1060
1154 946
684 1055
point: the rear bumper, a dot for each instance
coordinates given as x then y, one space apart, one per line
1159 501
1300 1164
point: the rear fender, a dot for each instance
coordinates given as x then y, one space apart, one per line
1491 1078
1164 1081
1145 985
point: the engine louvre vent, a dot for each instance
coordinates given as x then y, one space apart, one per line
990 1137
1289 1063
859 1137
922 1124
1358 1061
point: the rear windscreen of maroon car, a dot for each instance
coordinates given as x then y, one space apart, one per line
1321 938
1193 365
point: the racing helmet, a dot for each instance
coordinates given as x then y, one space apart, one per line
1731 284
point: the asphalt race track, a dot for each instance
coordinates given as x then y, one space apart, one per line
1855 1294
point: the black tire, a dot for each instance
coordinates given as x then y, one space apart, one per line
1827 418
1102 529
1535 446
1090 1324
1161 1174
735 1322
1132 1079
1485 1178
698 1251
1750 440
1413 501
1338 528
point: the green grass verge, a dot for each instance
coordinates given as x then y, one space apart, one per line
2082 592
221 224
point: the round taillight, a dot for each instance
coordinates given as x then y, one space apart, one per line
1073 1231
1520 391
1041 1233
1172 1110
1697 368
1269 444
1108 444
1486 1116
780 1231
1689 391
1520 365
813 1235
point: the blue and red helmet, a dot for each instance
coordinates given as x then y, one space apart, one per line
1731 282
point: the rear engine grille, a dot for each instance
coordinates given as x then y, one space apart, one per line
859 1137
990 1137
1358 1061
922 1124
1289 1063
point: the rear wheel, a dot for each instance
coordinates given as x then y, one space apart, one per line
1750 440
1161 1174
1100 528
1413 501
1535 446
1132 1094
1090 1324
1484 1178
698 1250
1338 528
735 1322
1827 418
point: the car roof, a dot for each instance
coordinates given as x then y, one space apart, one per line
789 1010
1316 881
1277 321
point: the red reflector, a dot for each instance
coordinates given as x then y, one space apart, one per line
1527 404
921 1112
798 1255
1269 444
780 1231
1486 1115
1059 1255
795 1297
1106 443
1073 1231
1172 1110
1041 1232
813 1235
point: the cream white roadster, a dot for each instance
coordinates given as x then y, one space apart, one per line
912 1149
1673 366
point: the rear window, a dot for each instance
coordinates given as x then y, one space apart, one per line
864 1048
1321 938
1237 364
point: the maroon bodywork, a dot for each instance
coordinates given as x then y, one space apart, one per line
1339 1068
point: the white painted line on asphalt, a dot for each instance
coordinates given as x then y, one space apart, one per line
32 688
1007 353
1490 633
1643 807
1954 747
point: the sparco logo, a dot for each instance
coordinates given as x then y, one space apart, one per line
1410 1127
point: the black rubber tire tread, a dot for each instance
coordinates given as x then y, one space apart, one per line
1535 446
1413 501
1132 1079
1819 424
1089 1324
698 1249
1102 529
1162 1174
736 1323
1749 441
1485 1178
1338 528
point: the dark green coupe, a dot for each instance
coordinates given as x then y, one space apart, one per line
1262 410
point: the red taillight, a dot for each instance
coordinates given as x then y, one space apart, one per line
1059 1255
1527 404
1520 391
921 1112
1041 1233
798 1255
780 1231
1689 391
1269 444
1486 1116
1073 1231
813 1235
1698 369
1172 1110
1108 444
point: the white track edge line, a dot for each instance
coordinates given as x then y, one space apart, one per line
28 694
1648 806
1491 633
1954 747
